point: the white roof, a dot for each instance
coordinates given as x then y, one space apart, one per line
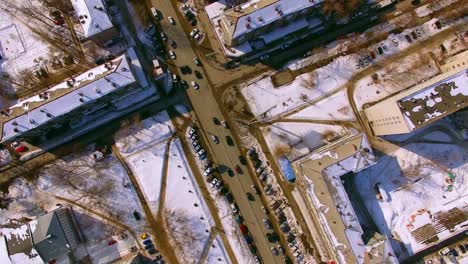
93 16
89 86
268 14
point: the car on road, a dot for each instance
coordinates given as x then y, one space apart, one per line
216 121
225 124
274 251
197 62
267 223
215 139
250 196
171 20
272 237
198 74
280 249
234 208
195 85
229 141
242 160
239 170
255 189
172 55
293 246
230 173
193 32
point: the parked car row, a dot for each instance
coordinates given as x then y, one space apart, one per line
151 249
196 146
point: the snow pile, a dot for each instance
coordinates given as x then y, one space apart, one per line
421 180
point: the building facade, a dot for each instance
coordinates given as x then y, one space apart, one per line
423 103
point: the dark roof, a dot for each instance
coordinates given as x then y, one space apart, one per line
48 237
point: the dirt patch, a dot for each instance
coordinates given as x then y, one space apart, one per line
283 77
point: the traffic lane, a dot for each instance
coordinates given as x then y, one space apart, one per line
205 106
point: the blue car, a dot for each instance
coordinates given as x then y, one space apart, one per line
147 242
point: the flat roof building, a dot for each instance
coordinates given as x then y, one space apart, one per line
73 100
266 20
319 179
423 103
94 20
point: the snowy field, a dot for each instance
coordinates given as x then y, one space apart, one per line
100 187
421 181
262 95
217 252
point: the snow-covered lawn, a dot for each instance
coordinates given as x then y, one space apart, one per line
262 95
417 180
217 252
188 219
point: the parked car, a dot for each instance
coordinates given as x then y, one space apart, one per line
225 125
216 121
250 196
259 169
201 152
230 173
208 171
265 210
213 182
195 85
280 249
256 259
197 62
255 189
229 198
239 219
163 36
395 42
193 32
198 74
171 20
136 215
172 55
243 228
263 176
173 44
408 38
234 208
242 160
155 13
239 170
264 57
229 141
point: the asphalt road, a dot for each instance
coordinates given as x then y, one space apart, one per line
206 107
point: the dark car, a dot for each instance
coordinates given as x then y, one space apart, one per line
149 246
185 69
229 141
408 38
253 249
230 173
216 121
173 44
248 239
229 198
147 242
198 75
239 219
462 249
380 50
184 84
153 251
137 215
242 160
239 170
414 35
250 197
243 228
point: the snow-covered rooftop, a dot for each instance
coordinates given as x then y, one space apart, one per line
65 97
259 13
441 98
93 16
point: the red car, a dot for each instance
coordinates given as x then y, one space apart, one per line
112 242
21 149
243 228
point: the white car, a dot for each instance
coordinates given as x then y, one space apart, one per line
154 12
215 139
175 78
213 182
208 171
193 32
172 54
195 85
197 36
234 208
163 36
171 20
201 152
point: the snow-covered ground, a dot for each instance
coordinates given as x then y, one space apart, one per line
417 180
217 252
100 186
261 95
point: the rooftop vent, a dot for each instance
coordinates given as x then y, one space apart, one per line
26 106
16 130
99 8
15 123
260 18
98 90
31 121
80 93
124 69
247 18
81 99
49 115
247 25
